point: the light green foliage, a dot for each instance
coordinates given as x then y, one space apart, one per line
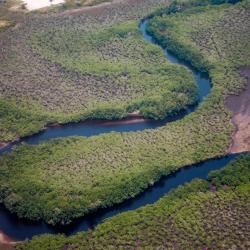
18 119
79 3
193 216
117 50
125 68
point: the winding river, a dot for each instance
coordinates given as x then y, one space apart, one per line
20 229
97 127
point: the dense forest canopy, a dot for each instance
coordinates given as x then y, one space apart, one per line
67 66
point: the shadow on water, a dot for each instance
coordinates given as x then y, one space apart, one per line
20 229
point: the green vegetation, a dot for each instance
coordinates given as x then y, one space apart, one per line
177 6
67 180
80 3
106 74
215 52
197 215
134 70
18 119
115 71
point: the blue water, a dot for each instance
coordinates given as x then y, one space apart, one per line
88 128
22 229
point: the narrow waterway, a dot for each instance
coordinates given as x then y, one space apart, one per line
19 229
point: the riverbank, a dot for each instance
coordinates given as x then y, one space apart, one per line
6 242
4 144
240 106
132 118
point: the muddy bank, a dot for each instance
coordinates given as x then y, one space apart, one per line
6 243
6 247
4 144
132 118
240 106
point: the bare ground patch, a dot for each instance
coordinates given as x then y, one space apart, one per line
3 23
6 243
240 106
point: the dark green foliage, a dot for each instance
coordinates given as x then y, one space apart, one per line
237 173
190 217
18 119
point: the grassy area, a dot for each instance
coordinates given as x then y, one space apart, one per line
18 119
69 4
4 24
67 180
6 20
198 215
